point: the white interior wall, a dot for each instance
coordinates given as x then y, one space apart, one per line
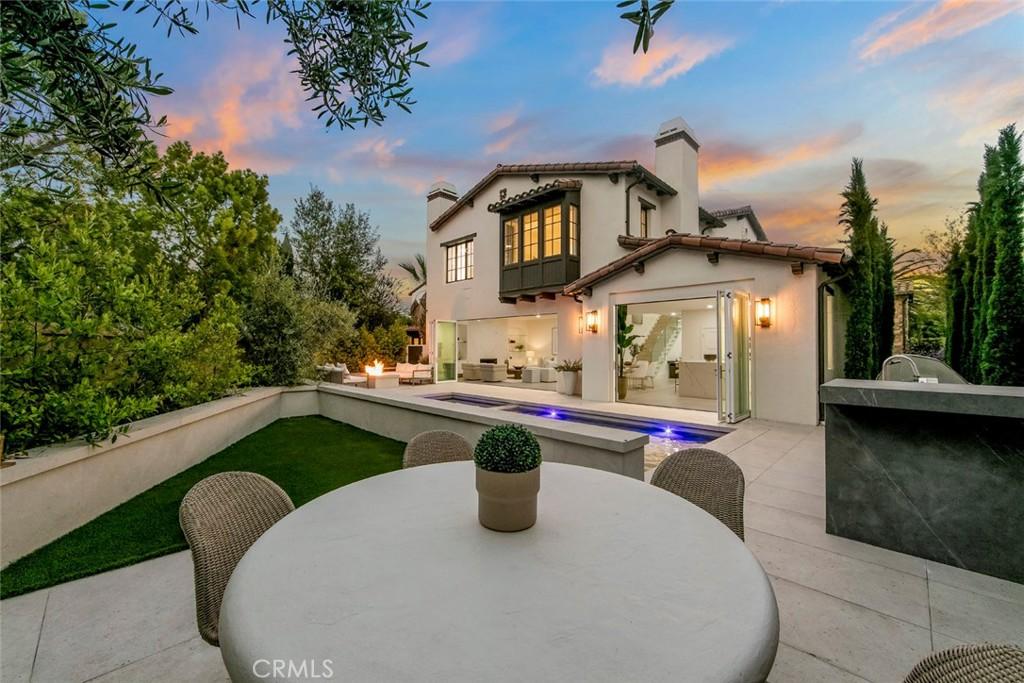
693 325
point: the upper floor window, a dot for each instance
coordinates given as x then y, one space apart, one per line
553 230
531 236
645 219
511 243
574 230
459 261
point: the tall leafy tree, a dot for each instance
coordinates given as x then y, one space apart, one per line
857 215
1002 353
337 256
220 224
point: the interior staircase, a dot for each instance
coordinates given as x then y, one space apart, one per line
660 338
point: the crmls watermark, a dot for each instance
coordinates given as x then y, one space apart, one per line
291 669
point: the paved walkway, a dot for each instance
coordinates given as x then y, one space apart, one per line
850 611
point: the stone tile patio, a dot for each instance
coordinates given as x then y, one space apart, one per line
849 611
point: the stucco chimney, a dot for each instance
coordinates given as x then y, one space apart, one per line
442 195
675 162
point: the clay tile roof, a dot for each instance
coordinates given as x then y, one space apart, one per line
745 211
575 167
559 185
649 248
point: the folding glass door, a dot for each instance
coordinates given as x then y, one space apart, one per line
734 356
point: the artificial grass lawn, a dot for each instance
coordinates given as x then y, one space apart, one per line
306 456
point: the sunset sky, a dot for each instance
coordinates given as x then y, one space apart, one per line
780 94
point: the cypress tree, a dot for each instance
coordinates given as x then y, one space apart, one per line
965 323
955 307
857 217
1002 354
886 297
984 264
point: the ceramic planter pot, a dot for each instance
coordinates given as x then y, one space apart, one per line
567 381
507 500
623 387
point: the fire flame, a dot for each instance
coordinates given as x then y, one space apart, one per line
376 369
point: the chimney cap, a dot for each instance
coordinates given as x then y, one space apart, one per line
442 188
676 129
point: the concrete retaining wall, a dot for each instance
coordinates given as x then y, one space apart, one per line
62 487
403 416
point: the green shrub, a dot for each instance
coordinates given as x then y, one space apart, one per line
507 448
570 366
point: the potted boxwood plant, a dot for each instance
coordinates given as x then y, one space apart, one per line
568 376
507 478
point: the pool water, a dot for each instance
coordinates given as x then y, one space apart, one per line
664 434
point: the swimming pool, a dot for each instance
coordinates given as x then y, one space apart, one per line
665 432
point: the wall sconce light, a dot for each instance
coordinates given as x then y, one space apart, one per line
579 324
764 312
592 322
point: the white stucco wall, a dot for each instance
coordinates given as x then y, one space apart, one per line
602 220
785 354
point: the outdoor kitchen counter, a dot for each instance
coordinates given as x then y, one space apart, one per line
932 470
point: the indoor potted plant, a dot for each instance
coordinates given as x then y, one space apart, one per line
507 477
568 376
624 339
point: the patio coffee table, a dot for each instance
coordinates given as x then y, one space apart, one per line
393 579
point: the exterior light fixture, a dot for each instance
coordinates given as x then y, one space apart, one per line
579 324
764 312
592 322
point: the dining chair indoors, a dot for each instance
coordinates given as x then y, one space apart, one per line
222 516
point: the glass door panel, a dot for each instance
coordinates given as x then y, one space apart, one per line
741 356
721 368
734 356
445 350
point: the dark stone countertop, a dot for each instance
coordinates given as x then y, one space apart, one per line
962 399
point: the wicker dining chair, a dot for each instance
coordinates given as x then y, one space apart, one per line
707 479
978 663
222 516
436 446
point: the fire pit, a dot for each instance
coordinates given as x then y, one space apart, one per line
376 378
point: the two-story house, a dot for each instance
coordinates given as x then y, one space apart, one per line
544 261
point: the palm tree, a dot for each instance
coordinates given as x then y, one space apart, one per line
417 270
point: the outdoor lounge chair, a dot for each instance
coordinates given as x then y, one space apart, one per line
222 516
436 446
709 480
982 663
414 373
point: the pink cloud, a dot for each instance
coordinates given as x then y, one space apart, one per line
727 159
666 59
249 97
889 37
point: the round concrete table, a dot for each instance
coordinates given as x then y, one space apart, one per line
393 579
